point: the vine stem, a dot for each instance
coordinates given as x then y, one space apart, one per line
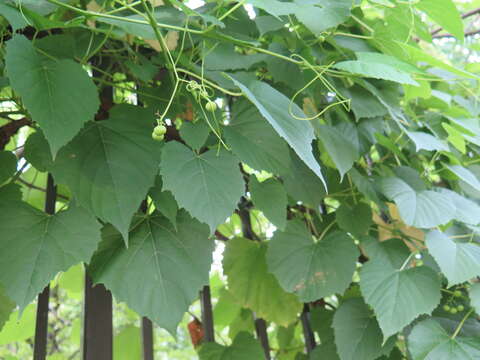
120 18
324 232
459 327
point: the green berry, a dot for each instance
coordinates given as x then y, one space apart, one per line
453 311
460 308
446 308
159 130
157 137
211 106
457 293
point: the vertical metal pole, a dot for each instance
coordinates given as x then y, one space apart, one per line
262 335
147 339
307 329
207 314
41 325
97 326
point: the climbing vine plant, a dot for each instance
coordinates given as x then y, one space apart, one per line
331 146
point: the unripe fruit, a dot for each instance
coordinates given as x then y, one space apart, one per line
457 293
157 137
211 106
159 130
453 311
446 308
460 308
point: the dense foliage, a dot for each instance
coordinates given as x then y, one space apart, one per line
331 147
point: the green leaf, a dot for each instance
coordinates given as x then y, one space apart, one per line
111 164
223 57
365 185
207 181
164 201
465 175
363 104
422 209
8 165
244 322
42 7
413 55
324 351
398 294
13 16
467 211
445 14
332 13
254 140
36 246
339 145
37 152
354 219
459 261
6 307
474 294
72 281
310 269
10 192
127 344
19 327
378 58
376 70
429 340
424 141
244 347
270 197
195 134
226 309
161 271
274 106
254 286
283 71
59 95
302 184
357 334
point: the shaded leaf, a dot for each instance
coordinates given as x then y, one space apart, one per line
397 294
274 106
423 209
111 164
6 307
357 334
429 340
255 142
376 70
474 294
312 270
244 347
36 246
466 175
199 182
270 197
339 145
8 165
59 95
164 201
459 261
356 219
162 270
